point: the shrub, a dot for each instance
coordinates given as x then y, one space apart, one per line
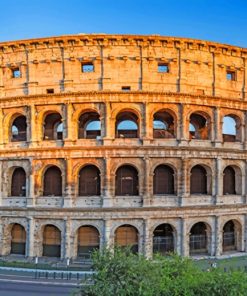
122 273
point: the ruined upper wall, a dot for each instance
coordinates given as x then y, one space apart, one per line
195 66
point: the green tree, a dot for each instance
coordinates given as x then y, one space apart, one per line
122 273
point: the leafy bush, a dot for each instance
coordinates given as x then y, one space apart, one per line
122 273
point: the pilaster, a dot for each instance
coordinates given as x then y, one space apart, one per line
147 187
217 128
184 180
218 235
107 192
219 180
108 238
67 242
30 238
31 198
109 124
68 197
182 126
148 239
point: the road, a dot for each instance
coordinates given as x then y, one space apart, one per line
22 286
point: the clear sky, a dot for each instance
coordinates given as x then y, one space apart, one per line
223 21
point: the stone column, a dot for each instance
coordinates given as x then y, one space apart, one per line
68 196
147 188
1 82
69 125
185 238
245 233
183 188
244 140
244 184
33 133
64 121
103 120
218 128
147 136
30 252
1 127
31 199
182 138
109 125
28 121
218 236
178 238
1 238
67 239
108 238
1 183
219 180
107 188
148 239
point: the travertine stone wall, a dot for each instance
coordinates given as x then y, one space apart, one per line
196 82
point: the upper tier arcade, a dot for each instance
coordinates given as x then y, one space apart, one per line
100 62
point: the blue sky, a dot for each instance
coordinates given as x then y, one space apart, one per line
223 21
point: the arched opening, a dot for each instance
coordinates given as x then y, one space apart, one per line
18 182
198 180
163 125
229 186
229 129
18 240
89 181
19 129
163 239
127 125
198 239
199 127
89 126
88 241
53 127
126 181
163 180
229 237
52 182
127 236
51 241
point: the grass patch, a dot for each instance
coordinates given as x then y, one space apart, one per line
226 263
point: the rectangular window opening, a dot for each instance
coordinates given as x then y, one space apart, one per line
163 68
126 88
87 67
50 90
231 75
16 73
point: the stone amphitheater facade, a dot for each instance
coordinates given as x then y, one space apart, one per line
119 139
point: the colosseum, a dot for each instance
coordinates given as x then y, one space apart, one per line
122 140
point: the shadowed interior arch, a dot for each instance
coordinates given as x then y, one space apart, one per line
88 241
51 241
126 181
199 127
198 239
89 126
18 182
163 125
89 181
53 127
163 180
52 182
19 129
198 180
127 236
18 240
163 239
